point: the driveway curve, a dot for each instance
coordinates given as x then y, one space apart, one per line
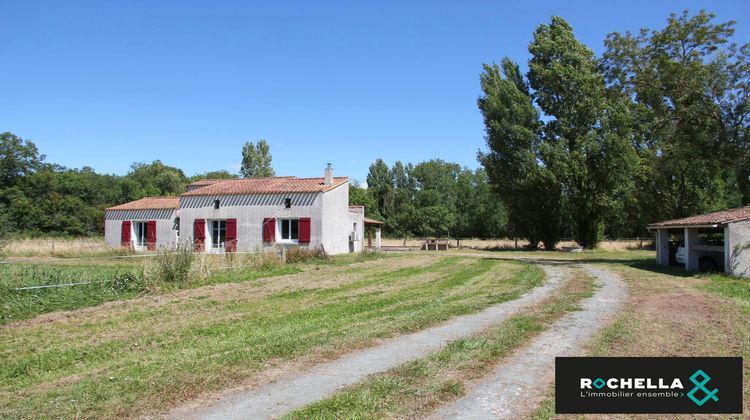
294 391
518 385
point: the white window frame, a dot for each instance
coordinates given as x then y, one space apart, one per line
279 231
138 241
217 246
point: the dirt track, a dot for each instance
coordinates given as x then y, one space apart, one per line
300 389
518 385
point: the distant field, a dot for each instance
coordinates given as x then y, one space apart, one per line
614 245
59 247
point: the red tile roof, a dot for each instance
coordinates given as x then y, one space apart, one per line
280 184
210 181
709 219
204 182
150 203
369 221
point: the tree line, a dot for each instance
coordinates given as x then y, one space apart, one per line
656 128
432 198
40 198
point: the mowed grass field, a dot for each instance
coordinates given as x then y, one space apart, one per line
146 354
126 355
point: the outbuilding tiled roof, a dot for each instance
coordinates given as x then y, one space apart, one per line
271 185
369 221
709 219
147 203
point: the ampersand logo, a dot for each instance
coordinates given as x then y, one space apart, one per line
700 386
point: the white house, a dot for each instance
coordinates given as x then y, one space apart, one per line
706 242
244 215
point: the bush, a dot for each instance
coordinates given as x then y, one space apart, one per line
173 264
128 282
298 254
267 261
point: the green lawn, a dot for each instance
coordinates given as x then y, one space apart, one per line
152 352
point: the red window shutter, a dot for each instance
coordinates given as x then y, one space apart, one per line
269 229
125 235
304 230
199 233
231 244
151 235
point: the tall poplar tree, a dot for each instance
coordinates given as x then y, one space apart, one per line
256 160
586 136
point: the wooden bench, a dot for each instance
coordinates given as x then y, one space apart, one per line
435 245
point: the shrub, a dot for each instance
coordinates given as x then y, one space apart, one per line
267 261
128 282
173 264
369 254
299 254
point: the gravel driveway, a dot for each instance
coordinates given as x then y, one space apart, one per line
295 391
519 384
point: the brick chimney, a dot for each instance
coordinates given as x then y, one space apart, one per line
328 175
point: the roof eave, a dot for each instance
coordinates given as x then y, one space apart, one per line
701 226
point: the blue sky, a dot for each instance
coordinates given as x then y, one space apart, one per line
107 83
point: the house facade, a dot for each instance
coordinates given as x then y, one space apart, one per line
247 215
144 224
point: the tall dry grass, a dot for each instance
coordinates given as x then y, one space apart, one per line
59 247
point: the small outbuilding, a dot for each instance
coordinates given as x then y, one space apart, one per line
707 242
376 225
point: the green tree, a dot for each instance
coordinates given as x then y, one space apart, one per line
18 158
479 214
153 179
529 191
380 182
586 137
437 220
221 174
363 197
688 90
256 160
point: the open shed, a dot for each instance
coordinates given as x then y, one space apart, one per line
706 242
376 225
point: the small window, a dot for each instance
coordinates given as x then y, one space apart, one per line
176 228
289 229
287 203
216 204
